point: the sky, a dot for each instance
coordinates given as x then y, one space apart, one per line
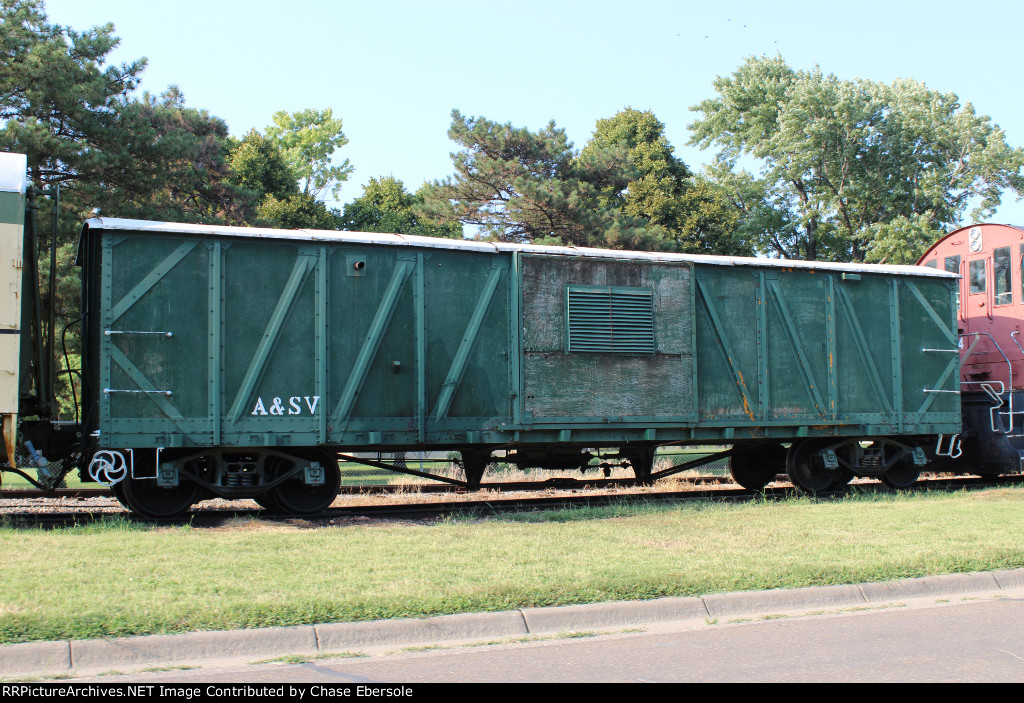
394 70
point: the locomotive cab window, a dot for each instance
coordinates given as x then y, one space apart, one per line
606 320
952 264
1020 269
1001 272
976 274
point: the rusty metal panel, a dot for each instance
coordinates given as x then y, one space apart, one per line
566 387
852 353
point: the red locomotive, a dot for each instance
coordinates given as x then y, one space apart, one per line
990 261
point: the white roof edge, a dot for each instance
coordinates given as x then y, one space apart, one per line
13 172
492 247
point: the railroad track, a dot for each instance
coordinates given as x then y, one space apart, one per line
551 483
216 516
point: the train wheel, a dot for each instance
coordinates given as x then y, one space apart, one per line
118 490
756 467
145 497
273 466
902 475
841 477
268 502
807 471
297 497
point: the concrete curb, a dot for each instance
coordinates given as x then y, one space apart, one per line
615 614
338 637
944 585
162 650
748 602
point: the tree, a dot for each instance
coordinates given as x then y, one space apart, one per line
177 166
695 216
309 139
297 211
386 206
259 167
58 103
521 186
660 176
849 169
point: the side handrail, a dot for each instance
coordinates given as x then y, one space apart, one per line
954 444
1003 387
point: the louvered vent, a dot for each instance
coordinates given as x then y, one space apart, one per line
610 320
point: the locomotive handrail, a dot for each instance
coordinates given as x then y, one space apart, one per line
1013 336
995 344
954 441
991 392
970 349
987 387
997 398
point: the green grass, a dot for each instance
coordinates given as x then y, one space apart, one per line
12 481
118 578
306 658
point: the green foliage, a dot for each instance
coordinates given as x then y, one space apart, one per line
624 190
309 139
258 164
521 186
850 167
73 115
707 223
660 176
694 215
386 206
297 211
900 241
57 93
176 166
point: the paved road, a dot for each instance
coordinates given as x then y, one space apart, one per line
935 639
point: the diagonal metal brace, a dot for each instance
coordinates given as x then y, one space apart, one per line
392 467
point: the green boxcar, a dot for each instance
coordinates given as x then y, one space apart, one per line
231 349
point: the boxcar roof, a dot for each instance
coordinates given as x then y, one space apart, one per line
313 235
